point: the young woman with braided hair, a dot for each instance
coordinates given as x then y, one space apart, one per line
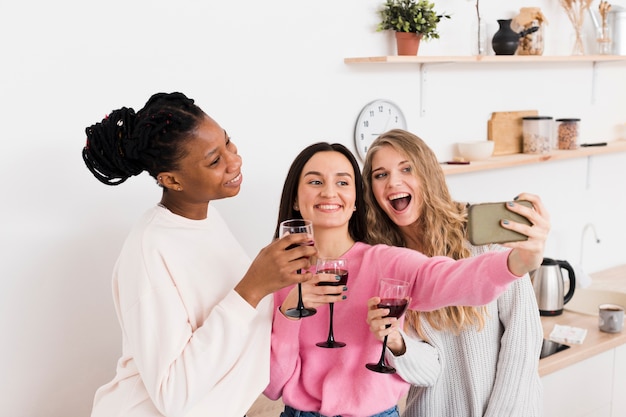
460 360
194 310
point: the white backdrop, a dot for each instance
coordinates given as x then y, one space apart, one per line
272 74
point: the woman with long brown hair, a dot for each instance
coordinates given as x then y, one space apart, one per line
460 360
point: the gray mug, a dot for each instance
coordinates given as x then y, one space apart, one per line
611 318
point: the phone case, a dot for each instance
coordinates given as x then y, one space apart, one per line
483 223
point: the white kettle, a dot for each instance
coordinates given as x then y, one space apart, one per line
548 284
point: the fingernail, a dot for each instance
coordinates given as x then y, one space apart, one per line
343 297
510 204
345 288
337 277
516 197
505 221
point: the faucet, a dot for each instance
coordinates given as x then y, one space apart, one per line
582 237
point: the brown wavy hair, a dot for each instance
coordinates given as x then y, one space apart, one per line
440 228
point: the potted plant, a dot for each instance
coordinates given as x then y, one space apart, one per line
412 20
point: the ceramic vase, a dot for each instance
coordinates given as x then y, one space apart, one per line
505 41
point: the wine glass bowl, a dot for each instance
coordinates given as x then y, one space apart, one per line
394 296
339 268
290 227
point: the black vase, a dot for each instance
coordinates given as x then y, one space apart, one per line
505 40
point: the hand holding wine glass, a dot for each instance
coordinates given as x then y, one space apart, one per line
339 268
290 227
382 325
394 295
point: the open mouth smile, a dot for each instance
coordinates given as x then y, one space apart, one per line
400 201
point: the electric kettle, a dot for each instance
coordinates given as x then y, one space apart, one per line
548 284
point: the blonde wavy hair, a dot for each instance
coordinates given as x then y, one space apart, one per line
441 225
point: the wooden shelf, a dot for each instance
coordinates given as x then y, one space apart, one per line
507 161
421 59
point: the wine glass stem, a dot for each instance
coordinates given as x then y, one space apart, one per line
331 336
381 361
300 303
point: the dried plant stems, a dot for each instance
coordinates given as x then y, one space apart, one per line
575 10
604 11
479 45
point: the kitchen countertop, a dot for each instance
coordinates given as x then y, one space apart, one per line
595 341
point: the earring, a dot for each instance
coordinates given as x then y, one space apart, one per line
180 188
296 207
354 208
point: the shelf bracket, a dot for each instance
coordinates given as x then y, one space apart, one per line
588 176
593 82
423 79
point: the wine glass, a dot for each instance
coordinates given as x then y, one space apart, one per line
394 295
338 267
290 227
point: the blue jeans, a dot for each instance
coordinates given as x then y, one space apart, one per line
292 412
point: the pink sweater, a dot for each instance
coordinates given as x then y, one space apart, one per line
335 381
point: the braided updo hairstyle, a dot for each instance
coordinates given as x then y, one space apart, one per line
126 143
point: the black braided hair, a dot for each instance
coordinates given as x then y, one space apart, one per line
126 143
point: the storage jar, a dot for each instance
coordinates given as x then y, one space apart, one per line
532 42
537 134
567 133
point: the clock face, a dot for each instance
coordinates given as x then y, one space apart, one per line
376 118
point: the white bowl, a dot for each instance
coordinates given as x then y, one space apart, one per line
475 151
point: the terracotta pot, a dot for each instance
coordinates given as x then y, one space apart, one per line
408 43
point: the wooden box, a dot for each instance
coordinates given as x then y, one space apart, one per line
505 129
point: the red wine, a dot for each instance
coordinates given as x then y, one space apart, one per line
295 245
340 272
396 307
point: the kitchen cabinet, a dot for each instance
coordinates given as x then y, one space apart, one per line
594 387
584 389
503 161
619 382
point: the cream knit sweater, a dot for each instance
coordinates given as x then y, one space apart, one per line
491 373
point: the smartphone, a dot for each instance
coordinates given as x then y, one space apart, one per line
483 223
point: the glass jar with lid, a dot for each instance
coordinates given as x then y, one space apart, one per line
537 134
567 133
529 18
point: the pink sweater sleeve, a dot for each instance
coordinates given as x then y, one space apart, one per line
439 281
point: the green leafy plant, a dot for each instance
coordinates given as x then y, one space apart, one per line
411 16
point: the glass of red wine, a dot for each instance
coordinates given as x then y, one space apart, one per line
394 295
338 267
290 227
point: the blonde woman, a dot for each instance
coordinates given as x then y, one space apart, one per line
461 361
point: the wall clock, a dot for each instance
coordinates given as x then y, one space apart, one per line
375 118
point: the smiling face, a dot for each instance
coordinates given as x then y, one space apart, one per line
326 191
210 168
395 186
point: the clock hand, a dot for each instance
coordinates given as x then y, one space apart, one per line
387 123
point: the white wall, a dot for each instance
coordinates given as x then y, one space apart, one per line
272 73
